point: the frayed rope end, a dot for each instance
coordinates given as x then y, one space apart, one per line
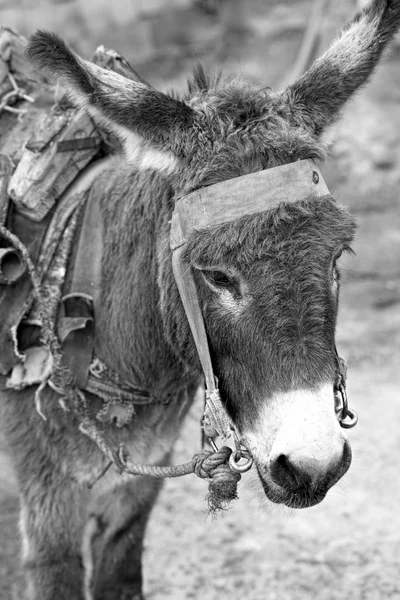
221 491
223 482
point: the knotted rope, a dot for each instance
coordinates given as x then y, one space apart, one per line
211 466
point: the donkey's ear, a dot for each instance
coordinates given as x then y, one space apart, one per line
317 97
149 124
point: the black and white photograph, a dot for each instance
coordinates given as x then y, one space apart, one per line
199 299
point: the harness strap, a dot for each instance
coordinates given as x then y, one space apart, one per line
78 306
215 420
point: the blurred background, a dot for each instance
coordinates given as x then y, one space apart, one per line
349 546
163 36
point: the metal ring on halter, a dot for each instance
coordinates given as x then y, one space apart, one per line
350 420
236 457
349 417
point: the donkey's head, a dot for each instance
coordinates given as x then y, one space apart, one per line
268 284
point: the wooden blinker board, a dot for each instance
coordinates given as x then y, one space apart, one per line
247 195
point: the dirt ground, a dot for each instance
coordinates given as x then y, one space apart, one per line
348 547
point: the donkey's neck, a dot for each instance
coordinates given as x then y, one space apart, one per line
136 210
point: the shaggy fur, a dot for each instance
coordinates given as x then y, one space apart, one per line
286 258
270 315
101 90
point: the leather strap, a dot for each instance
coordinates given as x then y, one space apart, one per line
215 420
79 304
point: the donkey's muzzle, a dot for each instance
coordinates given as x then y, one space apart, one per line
299 473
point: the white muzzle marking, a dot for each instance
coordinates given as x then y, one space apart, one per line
300 426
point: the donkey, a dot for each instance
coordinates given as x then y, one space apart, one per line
268 286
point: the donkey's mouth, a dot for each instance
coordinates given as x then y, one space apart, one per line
302 498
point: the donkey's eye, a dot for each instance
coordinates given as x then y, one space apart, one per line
218 278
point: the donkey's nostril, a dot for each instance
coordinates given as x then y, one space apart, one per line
288 473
